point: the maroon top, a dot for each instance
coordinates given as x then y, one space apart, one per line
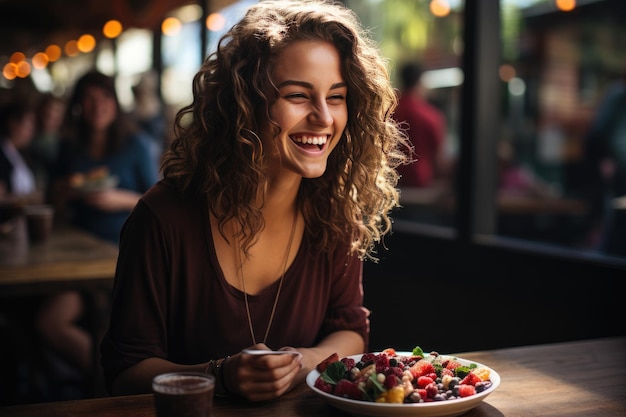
171 300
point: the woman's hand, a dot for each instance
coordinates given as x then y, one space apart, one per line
260 377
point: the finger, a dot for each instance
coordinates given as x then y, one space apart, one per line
259 391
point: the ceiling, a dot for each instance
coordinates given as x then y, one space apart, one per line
31 25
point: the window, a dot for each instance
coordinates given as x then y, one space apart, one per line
534 155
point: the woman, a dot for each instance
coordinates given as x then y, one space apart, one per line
276 188
17 121
97 139
100 142
45 144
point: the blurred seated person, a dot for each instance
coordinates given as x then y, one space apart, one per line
44 147
104 164
17 180
149 112
515 179
101 144
426 128
605 149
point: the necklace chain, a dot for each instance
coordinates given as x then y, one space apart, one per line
280 285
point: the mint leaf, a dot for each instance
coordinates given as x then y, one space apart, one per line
376 388
334 373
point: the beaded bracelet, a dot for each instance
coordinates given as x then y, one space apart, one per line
215 367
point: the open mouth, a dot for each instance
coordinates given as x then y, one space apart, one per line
310 142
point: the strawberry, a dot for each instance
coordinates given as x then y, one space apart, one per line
452 364
471 379
421 368
466 390
321 367
422 381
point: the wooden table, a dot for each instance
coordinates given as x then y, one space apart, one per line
581 378
69 258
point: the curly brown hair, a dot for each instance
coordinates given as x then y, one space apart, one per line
216 151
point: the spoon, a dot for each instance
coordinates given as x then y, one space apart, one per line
270 352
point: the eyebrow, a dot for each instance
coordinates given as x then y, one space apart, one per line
309 85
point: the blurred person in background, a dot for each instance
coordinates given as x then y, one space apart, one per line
44 147
20 360
149 112
606 153
17 128
99 144
104 163
426 128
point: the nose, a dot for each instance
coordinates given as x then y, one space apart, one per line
320 114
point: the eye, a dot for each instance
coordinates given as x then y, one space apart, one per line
295 96
337 97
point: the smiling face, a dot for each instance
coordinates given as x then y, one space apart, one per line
311 108
99 108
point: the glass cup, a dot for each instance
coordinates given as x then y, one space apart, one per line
40 219
183 394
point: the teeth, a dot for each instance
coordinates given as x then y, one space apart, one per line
311 140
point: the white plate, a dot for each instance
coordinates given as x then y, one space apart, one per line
447 408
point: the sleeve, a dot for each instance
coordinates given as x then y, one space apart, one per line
137 328
346 310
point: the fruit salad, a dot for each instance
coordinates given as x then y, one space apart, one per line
388 377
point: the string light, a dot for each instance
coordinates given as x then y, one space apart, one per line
19 66
440 8
40 60
112 29
566 5
53 52
215 22
71 48
171 26
86 43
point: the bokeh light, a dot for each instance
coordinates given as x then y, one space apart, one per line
506 72
17 57
71 48
171 26
22 69
9 71
86 43
53 52
215 22
566 5
440 8
40 60
112 29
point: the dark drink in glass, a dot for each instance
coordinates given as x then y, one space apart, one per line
183 394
